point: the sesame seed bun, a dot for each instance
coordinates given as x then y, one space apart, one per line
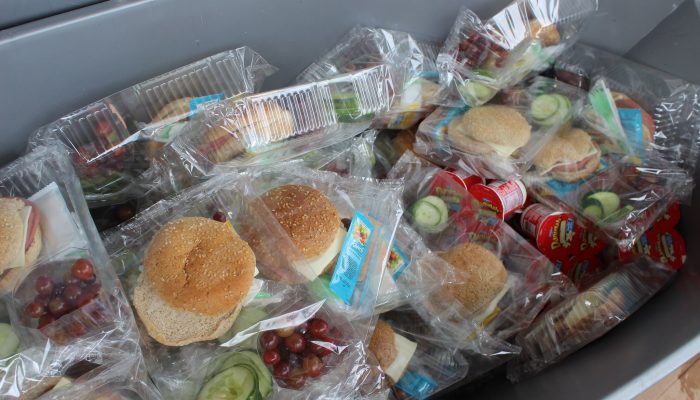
10 224
570 155
11 240
490 125
196 270
459 138
484 272
382 344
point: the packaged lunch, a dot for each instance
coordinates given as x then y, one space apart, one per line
267 335
410 62
353 157
113 141
588 315
64 305
479 58
500 139
281 124
389 147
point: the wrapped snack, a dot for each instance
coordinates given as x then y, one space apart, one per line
587 316
417 363
411 64
480 58
281 124
63 301
390 146
284 339
500 281
500 139
112 141
353 157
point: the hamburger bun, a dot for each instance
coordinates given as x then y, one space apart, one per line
494 128
393 351
569 156
313 226
486 277
197 272
20 238
649 127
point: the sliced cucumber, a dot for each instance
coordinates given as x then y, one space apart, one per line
9 342
550 109
248 317
429 213
619 214
593 211
479 92
609 202
252 360
235 383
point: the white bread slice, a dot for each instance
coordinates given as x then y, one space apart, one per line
311 268
173 326
404 352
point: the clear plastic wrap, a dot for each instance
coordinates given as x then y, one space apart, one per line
529 283
113 140
589 315
270 308
502 138
281 124
480 58
410 62
67 307
389 147
353 157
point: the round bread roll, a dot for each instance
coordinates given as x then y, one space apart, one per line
492 125
459 139
12 240
197 272
382 344
570 154
486 276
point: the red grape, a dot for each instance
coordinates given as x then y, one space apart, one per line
303 327
34 310
295 343
281 370
58 307
77 329
318 328
296 379
271 357
219 216
269 341
83 270
93 290
43 285
45 320
312 366
284 332
320 350
72 293
69 279
84 299
42 300
58 289
334 335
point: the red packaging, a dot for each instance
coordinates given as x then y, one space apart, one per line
450 188
500 197
670 218
468 180
577 269
589 244
556 233
662 244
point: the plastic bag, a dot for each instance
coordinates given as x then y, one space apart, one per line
389 147
513 295
585 317
353 157
113 140
269 309
480 58
501 139
66 307
411 64
281 124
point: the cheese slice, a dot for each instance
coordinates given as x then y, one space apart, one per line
19 259
488 310
311 268
505 151
404 352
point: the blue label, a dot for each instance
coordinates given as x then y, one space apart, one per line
417 385
194 103
429 74
631 119
397 262
352 256
563 188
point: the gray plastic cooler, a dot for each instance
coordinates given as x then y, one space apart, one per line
51 66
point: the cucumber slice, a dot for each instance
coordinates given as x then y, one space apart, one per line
550 109
251 360
430 213
478 91
9 342
609 202
593 212
235 383
619 214
440 205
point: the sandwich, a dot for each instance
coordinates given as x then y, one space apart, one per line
311 222
489 129
648 125
485 280
569 156
196 274
548 35
247 132
393 351
20 238
177 108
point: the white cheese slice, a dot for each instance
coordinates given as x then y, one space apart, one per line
404 352
19 260
504 151
313 267
494 303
